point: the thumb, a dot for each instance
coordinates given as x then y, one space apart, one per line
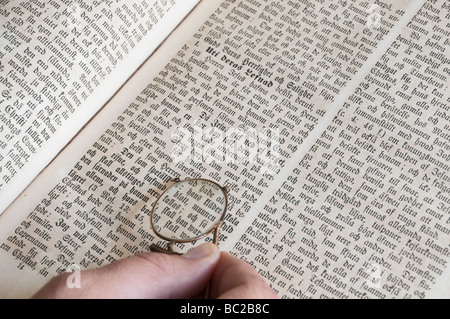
148 275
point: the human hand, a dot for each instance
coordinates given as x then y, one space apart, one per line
157 275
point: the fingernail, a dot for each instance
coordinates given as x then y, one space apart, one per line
201 251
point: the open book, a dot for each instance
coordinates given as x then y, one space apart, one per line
327 120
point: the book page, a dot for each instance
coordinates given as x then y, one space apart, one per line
373 222
59 64
256 100
20 280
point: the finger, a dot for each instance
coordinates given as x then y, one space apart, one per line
235 279
148 275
